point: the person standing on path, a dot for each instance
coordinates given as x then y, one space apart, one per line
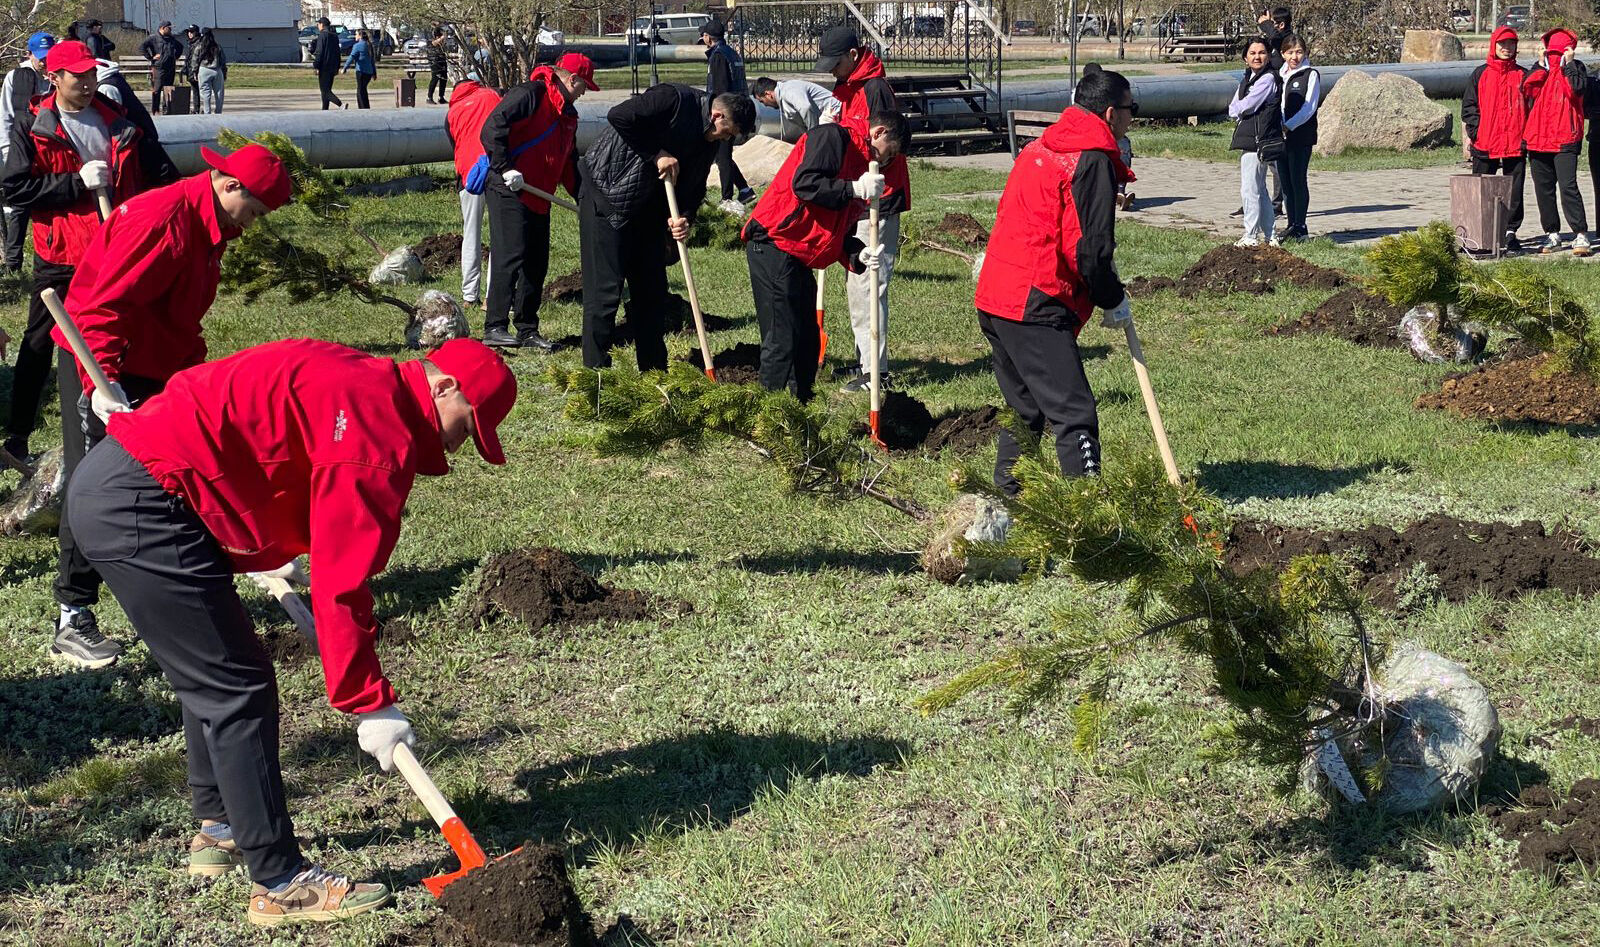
470 105
366 67
162 50
100 46
1048 265
1257 110
189 71
1302 94
438 66
863 90
530 138
1493 115
725 76
1554 135
325 60
211 72
801 105
241 465
69 145
670 131
21 85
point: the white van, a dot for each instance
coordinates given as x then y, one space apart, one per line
673 29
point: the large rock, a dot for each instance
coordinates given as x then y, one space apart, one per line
1384 111
758 159
1431 46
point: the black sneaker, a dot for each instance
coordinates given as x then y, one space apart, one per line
747 195
1513 245
499 338
531 339
864 383
80 642
845 371
1237 213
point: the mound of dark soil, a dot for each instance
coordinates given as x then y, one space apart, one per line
963 229
964 430
524 898
438 253
1586 726
544 586
1502 559
567 289
740 365
1231 269
1523 390
1352 314
1551 837
286 644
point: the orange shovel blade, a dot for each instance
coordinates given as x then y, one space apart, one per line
822 337
467 850
872 428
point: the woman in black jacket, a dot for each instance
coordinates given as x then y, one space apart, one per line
1259 137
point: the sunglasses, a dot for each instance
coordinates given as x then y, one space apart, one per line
1130 109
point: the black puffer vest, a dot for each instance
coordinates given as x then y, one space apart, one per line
624 180
1294 92
1264 122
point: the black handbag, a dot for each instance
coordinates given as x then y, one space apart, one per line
1271 146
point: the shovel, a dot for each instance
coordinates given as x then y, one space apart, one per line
872 290
468 852
102 198
822 333
688 282
1150 406
558 201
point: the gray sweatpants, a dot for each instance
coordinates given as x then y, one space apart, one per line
472 248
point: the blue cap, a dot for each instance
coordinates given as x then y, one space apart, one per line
40 43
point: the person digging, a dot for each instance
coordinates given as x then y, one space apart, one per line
241 465
1048 265
670 131
806 221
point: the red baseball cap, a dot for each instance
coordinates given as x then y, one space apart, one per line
258 169
71 55
576 63
488 386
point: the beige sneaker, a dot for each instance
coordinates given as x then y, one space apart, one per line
210 858
315 895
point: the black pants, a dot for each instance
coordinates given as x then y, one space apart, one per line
728 172
637 253
1553 172
325 83
1041 377
1292 171
77 583
437 81
362 80
176 586
1515 169
16 221
36 350
786 309
519 259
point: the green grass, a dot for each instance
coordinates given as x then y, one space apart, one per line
751 772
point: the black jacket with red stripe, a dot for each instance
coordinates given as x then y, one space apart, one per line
810 211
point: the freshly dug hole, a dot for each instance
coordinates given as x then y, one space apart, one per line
523 898
1521 390
544 586
1555 840
740 365
439 253
1352 314
1230 269
566 289
964 430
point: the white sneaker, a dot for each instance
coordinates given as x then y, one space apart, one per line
1272 241
1248 240
731 207
1552 243
1580 245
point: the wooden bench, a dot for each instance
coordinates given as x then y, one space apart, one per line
1025 126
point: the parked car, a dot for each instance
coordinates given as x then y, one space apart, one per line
347 41
1517 17
1461 20
1089 25
673 29
916 26
1024 28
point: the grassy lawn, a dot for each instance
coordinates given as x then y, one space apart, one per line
752 772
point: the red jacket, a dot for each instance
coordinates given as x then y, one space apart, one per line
534 111
65 213
294 447
1049 255
867 91
1555 101
1492 107
810 209
470 105
147 279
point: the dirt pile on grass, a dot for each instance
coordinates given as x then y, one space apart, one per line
1437 557
522 899
964 430
1584 726
1230 269
1519 390
544 586
908 427
1352 314
1553 838
904 423
961 229
565 289
439 253
740 365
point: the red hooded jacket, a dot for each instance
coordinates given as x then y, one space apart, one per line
293 447
470 105
867 91
810 209
1492 107
1555 98
534 111
1049 255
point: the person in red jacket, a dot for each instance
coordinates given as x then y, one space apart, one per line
241 465
804 222
1554 134
1493 112
863 90
1048 265
530 138
470 105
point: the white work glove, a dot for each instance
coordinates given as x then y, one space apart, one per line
292 572
868 187
104 407
513 179
1117 316
381 731
869 257
95 174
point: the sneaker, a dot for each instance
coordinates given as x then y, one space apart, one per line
1552 243
845 371
1272 241
79 641
1513 245
1580 245
499 338
531 339
211 858
1248 240
731 207
314 895
863 382
17 447
747 195
1237 213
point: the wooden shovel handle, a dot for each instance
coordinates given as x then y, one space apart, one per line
432 799
558 201
80 348
1150 406
104 200
688 281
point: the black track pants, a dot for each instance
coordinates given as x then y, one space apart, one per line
36 351
728 172
1041 377
786 309
519 260
1553 173
325 85
637 253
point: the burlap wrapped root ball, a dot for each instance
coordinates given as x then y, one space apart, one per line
35 506
438 319
400 266
970 519
1441 735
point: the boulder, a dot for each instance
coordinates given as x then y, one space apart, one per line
1383 111
1431 46
758 159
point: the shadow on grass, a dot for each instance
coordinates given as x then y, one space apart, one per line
1238 480
816 560
404 590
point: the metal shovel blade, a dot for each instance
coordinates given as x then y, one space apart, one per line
468 852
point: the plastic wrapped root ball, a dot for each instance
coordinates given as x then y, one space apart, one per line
35 506
399 267
438 319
